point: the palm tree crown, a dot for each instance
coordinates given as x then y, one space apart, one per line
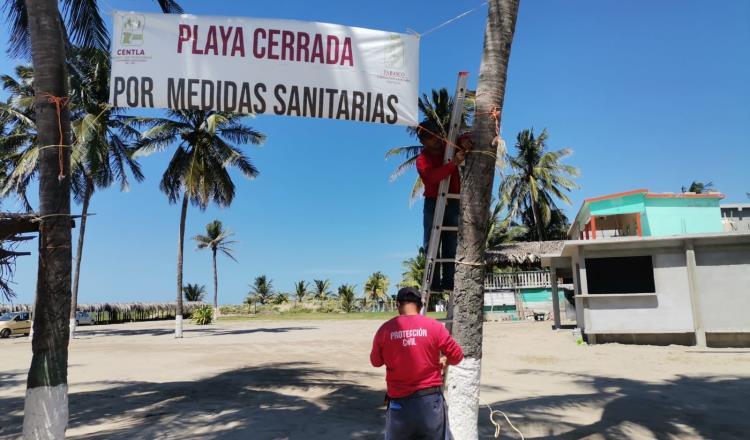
194 292
537 177
413 270
262 289
346 296
300 290
217 239
322 289
376 286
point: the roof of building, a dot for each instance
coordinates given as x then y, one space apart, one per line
525 252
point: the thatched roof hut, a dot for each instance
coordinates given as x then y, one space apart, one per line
128 311
526 253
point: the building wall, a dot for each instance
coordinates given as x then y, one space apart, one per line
677 216
736 219
723 284
667 311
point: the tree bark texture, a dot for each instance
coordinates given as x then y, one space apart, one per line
88 191
216 286
46 404
462 389
180 249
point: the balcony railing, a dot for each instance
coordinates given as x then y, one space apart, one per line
511 280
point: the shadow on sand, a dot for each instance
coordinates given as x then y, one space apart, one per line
86 333
250 403
713 407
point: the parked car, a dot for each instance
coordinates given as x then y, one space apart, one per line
83 318
14 323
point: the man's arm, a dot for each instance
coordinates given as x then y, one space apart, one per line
450 348
432 175
376 356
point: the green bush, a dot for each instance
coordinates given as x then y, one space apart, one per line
203 315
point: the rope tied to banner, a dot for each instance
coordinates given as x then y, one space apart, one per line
60 102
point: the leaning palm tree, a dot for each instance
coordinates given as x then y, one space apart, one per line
501 228
376 287
218 240
322 289
413 270
346 297
37 29
102 151
300 290
198 171
261 291
537 178
462 390
194 292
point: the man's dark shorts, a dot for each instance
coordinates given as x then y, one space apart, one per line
416 418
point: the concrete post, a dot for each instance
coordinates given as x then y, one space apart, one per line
700 332
555 297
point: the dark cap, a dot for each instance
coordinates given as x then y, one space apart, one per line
409 294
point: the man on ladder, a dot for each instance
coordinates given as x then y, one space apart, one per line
432 170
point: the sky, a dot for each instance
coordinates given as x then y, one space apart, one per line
647 94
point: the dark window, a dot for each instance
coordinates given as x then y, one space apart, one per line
620 275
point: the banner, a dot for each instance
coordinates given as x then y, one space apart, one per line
261 66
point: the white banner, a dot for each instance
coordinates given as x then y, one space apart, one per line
261 66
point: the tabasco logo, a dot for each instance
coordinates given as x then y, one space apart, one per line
393 59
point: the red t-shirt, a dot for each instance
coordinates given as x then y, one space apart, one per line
432 170
410 347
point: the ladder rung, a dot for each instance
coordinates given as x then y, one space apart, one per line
449 228
444 260
453 196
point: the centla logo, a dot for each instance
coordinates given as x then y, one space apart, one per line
132 29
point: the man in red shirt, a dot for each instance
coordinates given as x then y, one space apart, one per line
410 345
432 170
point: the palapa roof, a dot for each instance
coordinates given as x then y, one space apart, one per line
523 252
114 307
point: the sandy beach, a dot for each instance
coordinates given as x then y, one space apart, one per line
312 380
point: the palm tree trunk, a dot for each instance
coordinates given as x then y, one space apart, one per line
216 288
46 404
537 222
476 193
180 248
79 252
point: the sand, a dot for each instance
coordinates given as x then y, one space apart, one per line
312 380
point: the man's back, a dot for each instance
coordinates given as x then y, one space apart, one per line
410 347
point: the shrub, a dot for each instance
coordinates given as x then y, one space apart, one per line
203 315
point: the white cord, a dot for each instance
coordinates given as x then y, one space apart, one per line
497 426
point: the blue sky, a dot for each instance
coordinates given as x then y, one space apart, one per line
647 94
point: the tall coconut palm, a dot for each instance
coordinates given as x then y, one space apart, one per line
261 290
194 292
537 178
322 289
476 196
37 29
102 151
346 297
300 290
376 287
218 240
198 171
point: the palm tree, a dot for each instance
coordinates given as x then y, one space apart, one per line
280 298
261 291
462 391
198 171
699 187
413 270
376 287
322 289
194 292
37 28
501 229
346 297
537 177
436 108
218 240
300 290
102 153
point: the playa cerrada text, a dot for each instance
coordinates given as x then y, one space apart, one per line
265 43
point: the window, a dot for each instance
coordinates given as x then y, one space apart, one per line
620 275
